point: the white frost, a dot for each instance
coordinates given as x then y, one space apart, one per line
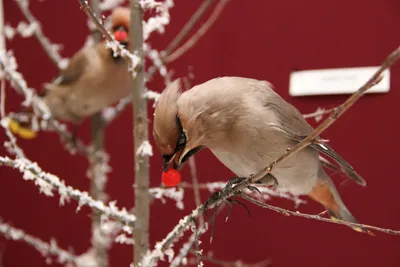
145 149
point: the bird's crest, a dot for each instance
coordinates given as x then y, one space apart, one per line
121 16
166 129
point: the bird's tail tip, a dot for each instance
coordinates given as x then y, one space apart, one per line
21 130
345 215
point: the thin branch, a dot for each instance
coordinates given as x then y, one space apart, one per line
203 29
47 182
50 49
317 217
3 98
266 192
192 165
198 252
237 263
140 136
47 249
188 26
97 172
317 114
134 60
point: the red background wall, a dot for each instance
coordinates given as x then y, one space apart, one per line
257 39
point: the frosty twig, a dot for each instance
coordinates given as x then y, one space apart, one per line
9 66
203 29
316 217
188 26
47 249
50 49
47 182
140 135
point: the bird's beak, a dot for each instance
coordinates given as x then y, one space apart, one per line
182 156
166 161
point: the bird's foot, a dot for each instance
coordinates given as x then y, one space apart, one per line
232 201
215 196
213 199
237 180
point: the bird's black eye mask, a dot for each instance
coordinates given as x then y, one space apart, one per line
119 28
179 145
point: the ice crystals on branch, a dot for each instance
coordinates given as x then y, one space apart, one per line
24 29
266 192
158 22
45 248
172 193
47 180
145 149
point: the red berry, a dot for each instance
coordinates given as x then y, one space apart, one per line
171 178
120 35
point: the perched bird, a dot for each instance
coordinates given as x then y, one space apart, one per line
247 125
94 78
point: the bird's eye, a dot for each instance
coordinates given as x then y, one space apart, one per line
182 140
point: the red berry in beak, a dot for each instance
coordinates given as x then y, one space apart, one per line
171 177
120 36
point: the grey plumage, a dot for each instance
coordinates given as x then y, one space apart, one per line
247 125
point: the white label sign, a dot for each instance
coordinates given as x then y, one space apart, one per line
335 81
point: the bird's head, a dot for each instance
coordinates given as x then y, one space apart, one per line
120 21
172 131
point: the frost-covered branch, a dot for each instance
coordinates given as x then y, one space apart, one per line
51 50
318 114
97 173
266 193
47 249
140 137
237 263
163 247
48 182
318 217
197 242
8 64
134 60
173 193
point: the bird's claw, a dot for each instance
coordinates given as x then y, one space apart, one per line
210 200
237 180
230 202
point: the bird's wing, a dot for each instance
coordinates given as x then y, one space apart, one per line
296 128
69 75
73 71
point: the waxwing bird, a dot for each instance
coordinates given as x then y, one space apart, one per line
94 78
247 125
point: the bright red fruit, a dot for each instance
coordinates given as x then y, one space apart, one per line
120 35
171 178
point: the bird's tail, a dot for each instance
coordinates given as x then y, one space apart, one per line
326 193
21 127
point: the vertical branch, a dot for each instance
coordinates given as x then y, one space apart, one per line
140 135
97 177
192 165
2 48
2 37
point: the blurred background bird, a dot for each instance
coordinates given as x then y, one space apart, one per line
94 78
247 126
